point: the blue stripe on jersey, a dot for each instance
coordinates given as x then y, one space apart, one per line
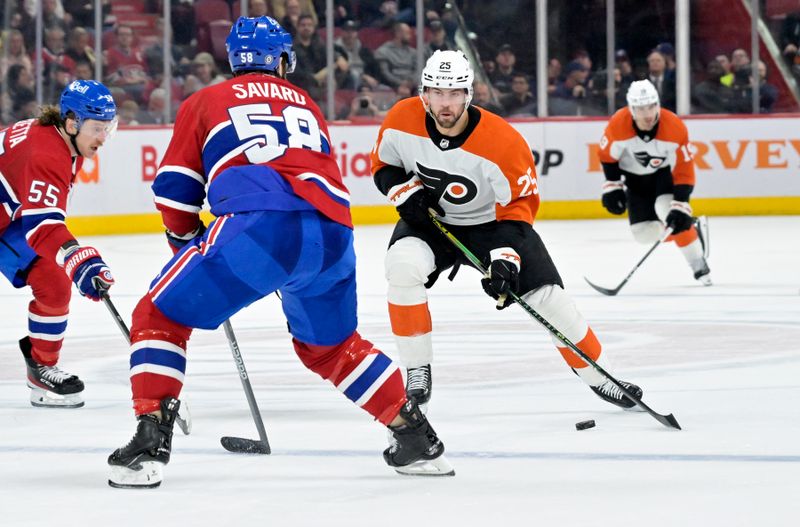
48 328
334 197
179 187
368 378
160 357
30 221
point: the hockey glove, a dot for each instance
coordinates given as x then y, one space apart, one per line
679 217
503 276
178 242
88 271
413 201
614 197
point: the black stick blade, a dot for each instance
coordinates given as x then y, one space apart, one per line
241 445
603 290
669 420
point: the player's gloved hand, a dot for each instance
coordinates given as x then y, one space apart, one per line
503 276
679 217
88 271
614 197
413 201
178 242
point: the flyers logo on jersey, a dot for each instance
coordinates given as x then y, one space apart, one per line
646 160
452 188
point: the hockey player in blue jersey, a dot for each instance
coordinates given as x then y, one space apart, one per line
258 147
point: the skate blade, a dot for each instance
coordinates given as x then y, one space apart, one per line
428 467
184 419
46 399
148 476
705 280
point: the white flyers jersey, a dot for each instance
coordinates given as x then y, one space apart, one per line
640 156
486 173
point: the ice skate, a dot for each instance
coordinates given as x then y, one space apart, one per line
703 275
610 393
51 387
701 225
416 450
140 463
419 385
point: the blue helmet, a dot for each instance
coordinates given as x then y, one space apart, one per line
258 44
87 100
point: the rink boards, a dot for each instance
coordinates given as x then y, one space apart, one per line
745 166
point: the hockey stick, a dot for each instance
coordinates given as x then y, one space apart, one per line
184 417
666 420
612 292
240 444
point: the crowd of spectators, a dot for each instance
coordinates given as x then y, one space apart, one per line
375 60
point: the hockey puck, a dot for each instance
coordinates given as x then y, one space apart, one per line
583 425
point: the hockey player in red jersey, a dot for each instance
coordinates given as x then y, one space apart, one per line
470 166
39 159
258 147
649 172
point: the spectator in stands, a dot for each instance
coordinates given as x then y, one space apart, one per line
553 74
154 114
58 77
503 75
482 96
520 102
363 66
79 48
790 36
568 97
128 112
582 56
739 59
310 72
154 55
396 58
438 39
204 73
663 80
13 46
53 51
183 23
19 81
24 105
125 65
289 14
257 8
666 49
82 11
384 16
598 92
727 75
623 62
364 105
53 15
711 96
25 24
84 71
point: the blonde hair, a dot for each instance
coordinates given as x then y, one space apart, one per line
51 116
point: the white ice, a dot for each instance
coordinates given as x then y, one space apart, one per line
724 360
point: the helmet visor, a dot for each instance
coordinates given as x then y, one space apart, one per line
100 130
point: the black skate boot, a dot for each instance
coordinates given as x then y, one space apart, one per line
51 387
416 450
703 275
139 464
610 393
419 384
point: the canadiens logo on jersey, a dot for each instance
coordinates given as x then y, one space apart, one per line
649 161
452 188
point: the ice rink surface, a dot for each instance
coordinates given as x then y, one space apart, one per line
724 360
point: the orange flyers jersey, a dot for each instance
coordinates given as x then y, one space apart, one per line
489 175
637 157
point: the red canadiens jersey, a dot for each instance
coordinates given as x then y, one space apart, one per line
37 171
637 157
251 119
491 175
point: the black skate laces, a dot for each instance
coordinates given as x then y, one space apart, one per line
419 378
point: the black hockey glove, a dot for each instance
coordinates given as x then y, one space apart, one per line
503 276
414 210
679 217
614 197
178 242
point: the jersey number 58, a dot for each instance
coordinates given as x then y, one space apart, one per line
267 136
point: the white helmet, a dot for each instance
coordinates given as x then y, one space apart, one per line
642 93
450 70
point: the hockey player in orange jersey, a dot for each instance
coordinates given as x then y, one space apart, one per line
478 174
649 146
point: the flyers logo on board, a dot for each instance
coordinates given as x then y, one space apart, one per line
646 160
452 188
